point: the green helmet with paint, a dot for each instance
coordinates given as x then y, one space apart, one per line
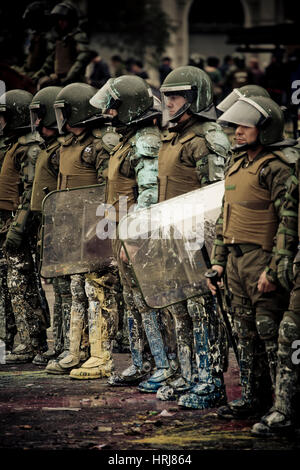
72 106
260 112
130 96
41 108
237 93
14 111
195 86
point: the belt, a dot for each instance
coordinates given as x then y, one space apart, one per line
242 248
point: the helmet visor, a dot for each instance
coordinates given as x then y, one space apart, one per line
229 100
37 112
61 117
105 99
244 113
175 101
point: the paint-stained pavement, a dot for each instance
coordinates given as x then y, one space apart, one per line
40 411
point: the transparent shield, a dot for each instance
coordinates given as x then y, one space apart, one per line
168 245
73 240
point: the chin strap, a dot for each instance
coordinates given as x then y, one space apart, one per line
252 146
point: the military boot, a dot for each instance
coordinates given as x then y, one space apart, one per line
280 419
164 368
130 376
184 381
22 354
69 358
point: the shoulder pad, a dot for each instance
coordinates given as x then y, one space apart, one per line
33 151
30 138
292 153
80 36
147 141
110 138
287 156
211 126
217 141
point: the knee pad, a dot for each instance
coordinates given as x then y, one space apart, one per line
267 327
289 329
244 322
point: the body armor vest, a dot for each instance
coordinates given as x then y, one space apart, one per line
175 178
45 177
118 185
73 173
249 213
65 55
9 181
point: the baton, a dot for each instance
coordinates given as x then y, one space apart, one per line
213 276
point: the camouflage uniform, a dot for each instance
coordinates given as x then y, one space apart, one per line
281 417
68 59
94 295
257 315
27 296
7 322
46 174
192 155
133 169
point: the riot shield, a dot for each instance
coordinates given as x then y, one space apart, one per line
71 243
168 245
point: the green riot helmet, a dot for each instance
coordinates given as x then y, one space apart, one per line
260 112
42 112
66 11
14 109
237 93
131 96
72 106
195 86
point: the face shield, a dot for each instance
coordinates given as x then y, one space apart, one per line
232 98
244 112
61 116
105 99
176 100
37 112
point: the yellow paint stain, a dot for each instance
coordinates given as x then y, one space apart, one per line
188 437
25 373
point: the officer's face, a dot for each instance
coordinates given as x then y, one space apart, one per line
46 132
174 103
246 135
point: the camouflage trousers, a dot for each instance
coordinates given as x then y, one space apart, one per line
137 316
31 319
7 321
61 313
103 291
288 368
79 313
257 316
201 338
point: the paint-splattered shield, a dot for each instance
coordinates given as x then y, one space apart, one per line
73 241
169 244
